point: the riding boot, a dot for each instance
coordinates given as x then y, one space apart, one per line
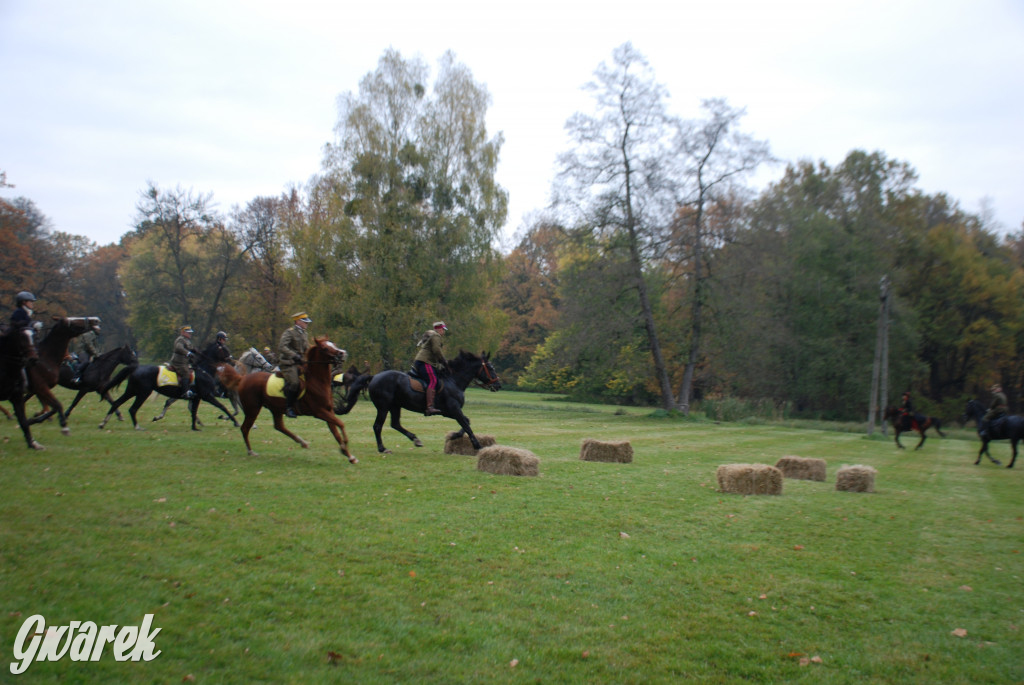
431 410
289 398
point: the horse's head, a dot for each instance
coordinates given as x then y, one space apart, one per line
486 376
126 355
973 410
324 350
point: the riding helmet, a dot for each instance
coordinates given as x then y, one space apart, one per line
25 296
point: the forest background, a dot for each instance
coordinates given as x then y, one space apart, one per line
656 276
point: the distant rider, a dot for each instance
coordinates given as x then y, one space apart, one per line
429 358
996 409
291 352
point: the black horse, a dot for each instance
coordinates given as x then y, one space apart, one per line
1004 428
95 374
393 391
917 422
17 352
142 382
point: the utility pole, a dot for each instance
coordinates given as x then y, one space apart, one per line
880 367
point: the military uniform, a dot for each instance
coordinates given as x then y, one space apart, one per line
996 409
183 351
291 352
429 357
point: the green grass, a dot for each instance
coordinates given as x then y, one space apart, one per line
416 567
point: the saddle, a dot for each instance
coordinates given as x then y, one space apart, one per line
166 376
418 383
275 386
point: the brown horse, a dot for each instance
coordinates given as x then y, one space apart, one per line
315 400
44 374
17 351
917 422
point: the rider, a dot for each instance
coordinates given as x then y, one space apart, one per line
292 353
906 411
996 409
217 351
183 353
85 351
23 309
430 357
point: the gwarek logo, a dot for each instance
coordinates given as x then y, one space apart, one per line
81 641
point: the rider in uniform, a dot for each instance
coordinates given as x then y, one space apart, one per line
292 353
429 358
996 409
183 353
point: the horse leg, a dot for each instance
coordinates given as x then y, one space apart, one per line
279 425
18 405
47 396
114 407
213 400
80 395
1013 443
106 395
923 436
396 423
378 426
338 430
163 413
896 431
247 422
984 450
463 420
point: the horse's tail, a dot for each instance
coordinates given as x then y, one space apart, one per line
228 377
116 380
352 396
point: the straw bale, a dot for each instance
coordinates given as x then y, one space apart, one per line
749 479
620 452
507 461
462 445
856 478
801 468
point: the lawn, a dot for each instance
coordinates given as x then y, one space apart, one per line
296 567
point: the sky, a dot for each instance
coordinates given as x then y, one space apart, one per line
238 98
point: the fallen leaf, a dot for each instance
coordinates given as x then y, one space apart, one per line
805 661
333 658
815 659
513 663
966 588
623 535
959 632
798 547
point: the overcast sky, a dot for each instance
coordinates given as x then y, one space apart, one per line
238 99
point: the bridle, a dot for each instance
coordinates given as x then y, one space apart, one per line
490 378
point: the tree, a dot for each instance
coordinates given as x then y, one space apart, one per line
408 208
716 156
182 262
616 181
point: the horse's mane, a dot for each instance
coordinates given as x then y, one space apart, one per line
227 376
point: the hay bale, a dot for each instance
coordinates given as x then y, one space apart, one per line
802 468
462 445
749 479
507 461
611 452
856 478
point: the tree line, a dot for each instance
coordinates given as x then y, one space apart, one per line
655 277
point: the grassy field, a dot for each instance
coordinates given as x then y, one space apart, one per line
295 567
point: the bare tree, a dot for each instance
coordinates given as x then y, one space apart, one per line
613 181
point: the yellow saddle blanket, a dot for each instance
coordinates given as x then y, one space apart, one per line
275 386
165 376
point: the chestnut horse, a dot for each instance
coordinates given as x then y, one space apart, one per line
17 351
44 374
917 422
315 400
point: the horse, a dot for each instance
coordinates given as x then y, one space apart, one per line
917 422
94 376
250 361
341 382
315 399
17 351
44 374
393 391
210 367
1004 428
143 381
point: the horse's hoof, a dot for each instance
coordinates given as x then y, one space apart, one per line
36 446
417 442
384 450
197 430
65 430
305 445
352 460
253 454
997 462
140 429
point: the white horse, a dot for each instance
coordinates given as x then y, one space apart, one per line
251 361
